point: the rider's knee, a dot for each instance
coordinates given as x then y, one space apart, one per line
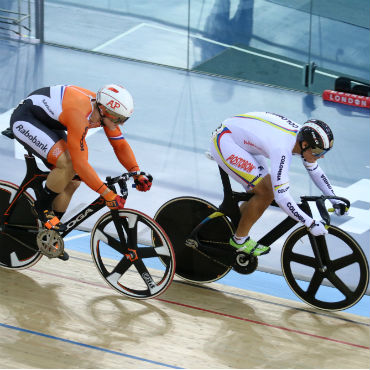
269 194
73 186
266 194
264 191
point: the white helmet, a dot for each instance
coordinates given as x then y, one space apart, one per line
117 102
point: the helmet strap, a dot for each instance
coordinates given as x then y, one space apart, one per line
101 116
303 149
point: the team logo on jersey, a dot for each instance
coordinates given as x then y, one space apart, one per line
114 104
291 123
247 142
82 146
327 183
47 106
295 213
56 152
240 163
282 188
33 139
281 166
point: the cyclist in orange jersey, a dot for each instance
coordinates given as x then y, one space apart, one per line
49 116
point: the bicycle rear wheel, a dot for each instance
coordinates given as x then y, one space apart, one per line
346 269
143 264
179 217
18 248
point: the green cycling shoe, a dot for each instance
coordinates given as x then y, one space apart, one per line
250 247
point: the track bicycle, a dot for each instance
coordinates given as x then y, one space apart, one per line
200 234
130 250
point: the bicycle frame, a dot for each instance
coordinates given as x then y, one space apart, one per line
113 239
88 211
201 232
229 207
33 179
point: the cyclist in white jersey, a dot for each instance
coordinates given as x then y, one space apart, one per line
241 145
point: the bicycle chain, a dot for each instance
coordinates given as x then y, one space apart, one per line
45 247
194 246
22 243
246 269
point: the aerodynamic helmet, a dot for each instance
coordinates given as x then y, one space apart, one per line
318 135
115 103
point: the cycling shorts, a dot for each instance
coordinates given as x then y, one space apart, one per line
45 142
242 166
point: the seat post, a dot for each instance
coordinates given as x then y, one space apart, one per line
229 205
31 165
34 176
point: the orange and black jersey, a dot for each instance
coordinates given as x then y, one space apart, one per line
67 107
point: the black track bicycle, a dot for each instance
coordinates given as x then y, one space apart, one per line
200 234
130 250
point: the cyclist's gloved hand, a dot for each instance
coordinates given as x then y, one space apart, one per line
114 201
317 228
340 208
142 183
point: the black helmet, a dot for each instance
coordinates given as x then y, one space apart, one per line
318 135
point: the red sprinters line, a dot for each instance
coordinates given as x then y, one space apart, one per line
217 313
263 323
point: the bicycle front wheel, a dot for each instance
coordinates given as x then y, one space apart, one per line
141 264
343 280
178 217
18 247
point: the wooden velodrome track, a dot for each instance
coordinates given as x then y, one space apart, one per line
62 315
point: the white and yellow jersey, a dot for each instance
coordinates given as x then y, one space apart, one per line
242 141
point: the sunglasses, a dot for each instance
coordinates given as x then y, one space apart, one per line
114 117
317 152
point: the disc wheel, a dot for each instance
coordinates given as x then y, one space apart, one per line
141 265
343 280
18 248
179 217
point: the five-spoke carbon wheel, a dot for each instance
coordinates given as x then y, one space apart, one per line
137 260
344 277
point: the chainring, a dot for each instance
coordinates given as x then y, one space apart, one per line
50 243
245 263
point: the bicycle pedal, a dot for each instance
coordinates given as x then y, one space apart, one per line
64 256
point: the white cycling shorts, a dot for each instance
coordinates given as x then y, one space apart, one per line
242 166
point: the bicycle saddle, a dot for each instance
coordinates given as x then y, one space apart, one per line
8 133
